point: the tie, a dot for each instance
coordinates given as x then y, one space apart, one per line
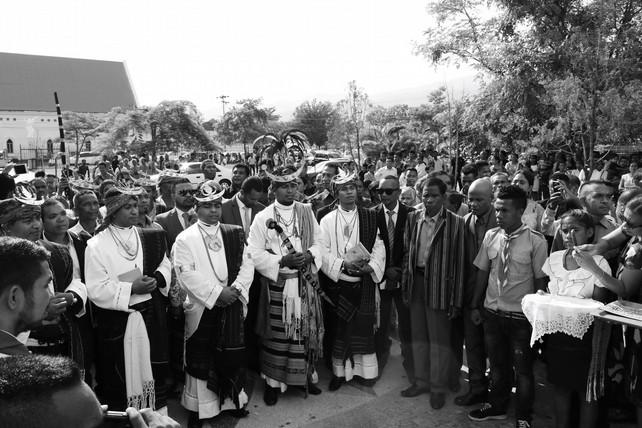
188 219
248 222
391 230
505 256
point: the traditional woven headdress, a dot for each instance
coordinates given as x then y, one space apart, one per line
342 178
23 205
80 185
209 191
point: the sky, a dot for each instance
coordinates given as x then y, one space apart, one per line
284 51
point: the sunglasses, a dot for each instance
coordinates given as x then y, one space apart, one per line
187 192
387 191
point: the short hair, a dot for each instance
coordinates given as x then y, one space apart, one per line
105 183
497 174
635 205
530 177
27 384
242 166
17 260
629 194
411 169
514 193
332 165
560 176
588 184
252 183
437 183
39 174
82 193
390 177
437 174
481 164
582 216
469 169
49 203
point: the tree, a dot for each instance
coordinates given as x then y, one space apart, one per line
560 73
315 118
82 127
354 109
245 121
172 125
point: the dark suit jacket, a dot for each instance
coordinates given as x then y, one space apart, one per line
171 225
394 256
232 213
444 263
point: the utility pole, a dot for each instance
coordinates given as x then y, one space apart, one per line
223 102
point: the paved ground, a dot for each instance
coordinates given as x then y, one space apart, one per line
356 406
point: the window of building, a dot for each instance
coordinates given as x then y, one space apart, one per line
50 147
9 146
88 146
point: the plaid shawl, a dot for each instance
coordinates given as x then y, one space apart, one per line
216 350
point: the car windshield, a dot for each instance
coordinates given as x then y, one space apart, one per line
190 168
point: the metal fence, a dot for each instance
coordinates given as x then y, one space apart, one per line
35 158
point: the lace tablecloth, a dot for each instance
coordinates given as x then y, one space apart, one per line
558 314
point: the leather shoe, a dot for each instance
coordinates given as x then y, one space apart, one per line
312 389
336 383
455 386
437 400
270 395
470 398
414 391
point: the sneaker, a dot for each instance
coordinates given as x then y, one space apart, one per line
522 423
486 413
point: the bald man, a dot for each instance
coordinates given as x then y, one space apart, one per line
480 219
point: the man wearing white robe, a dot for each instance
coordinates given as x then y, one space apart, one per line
291 336
201 257
127 300
353 284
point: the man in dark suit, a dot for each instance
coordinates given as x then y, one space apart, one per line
240 211
182 215
391 219
174 222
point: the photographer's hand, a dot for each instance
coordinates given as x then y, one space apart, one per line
147 418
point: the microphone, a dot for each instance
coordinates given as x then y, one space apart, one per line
271 224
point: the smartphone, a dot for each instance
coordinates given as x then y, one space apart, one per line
114 419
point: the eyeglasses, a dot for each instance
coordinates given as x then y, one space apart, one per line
387 191
187 192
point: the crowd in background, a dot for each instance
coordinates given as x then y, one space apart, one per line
453 243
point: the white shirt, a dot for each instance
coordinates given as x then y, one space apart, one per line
395 212
78 229
245 212
337 243
104 264
181 219
384 172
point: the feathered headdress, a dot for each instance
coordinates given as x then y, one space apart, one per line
292 140
80 185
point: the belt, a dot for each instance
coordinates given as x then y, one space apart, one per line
506 314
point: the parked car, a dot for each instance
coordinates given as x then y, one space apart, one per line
192 170
316 166
92 158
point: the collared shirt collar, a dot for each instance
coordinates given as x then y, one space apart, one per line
239 201
395 210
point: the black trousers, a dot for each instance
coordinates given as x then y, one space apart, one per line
382 337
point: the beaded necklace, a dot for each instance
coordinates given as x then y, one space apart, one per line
129 253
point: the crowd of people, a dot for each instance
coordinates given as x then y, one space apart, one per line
148 290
